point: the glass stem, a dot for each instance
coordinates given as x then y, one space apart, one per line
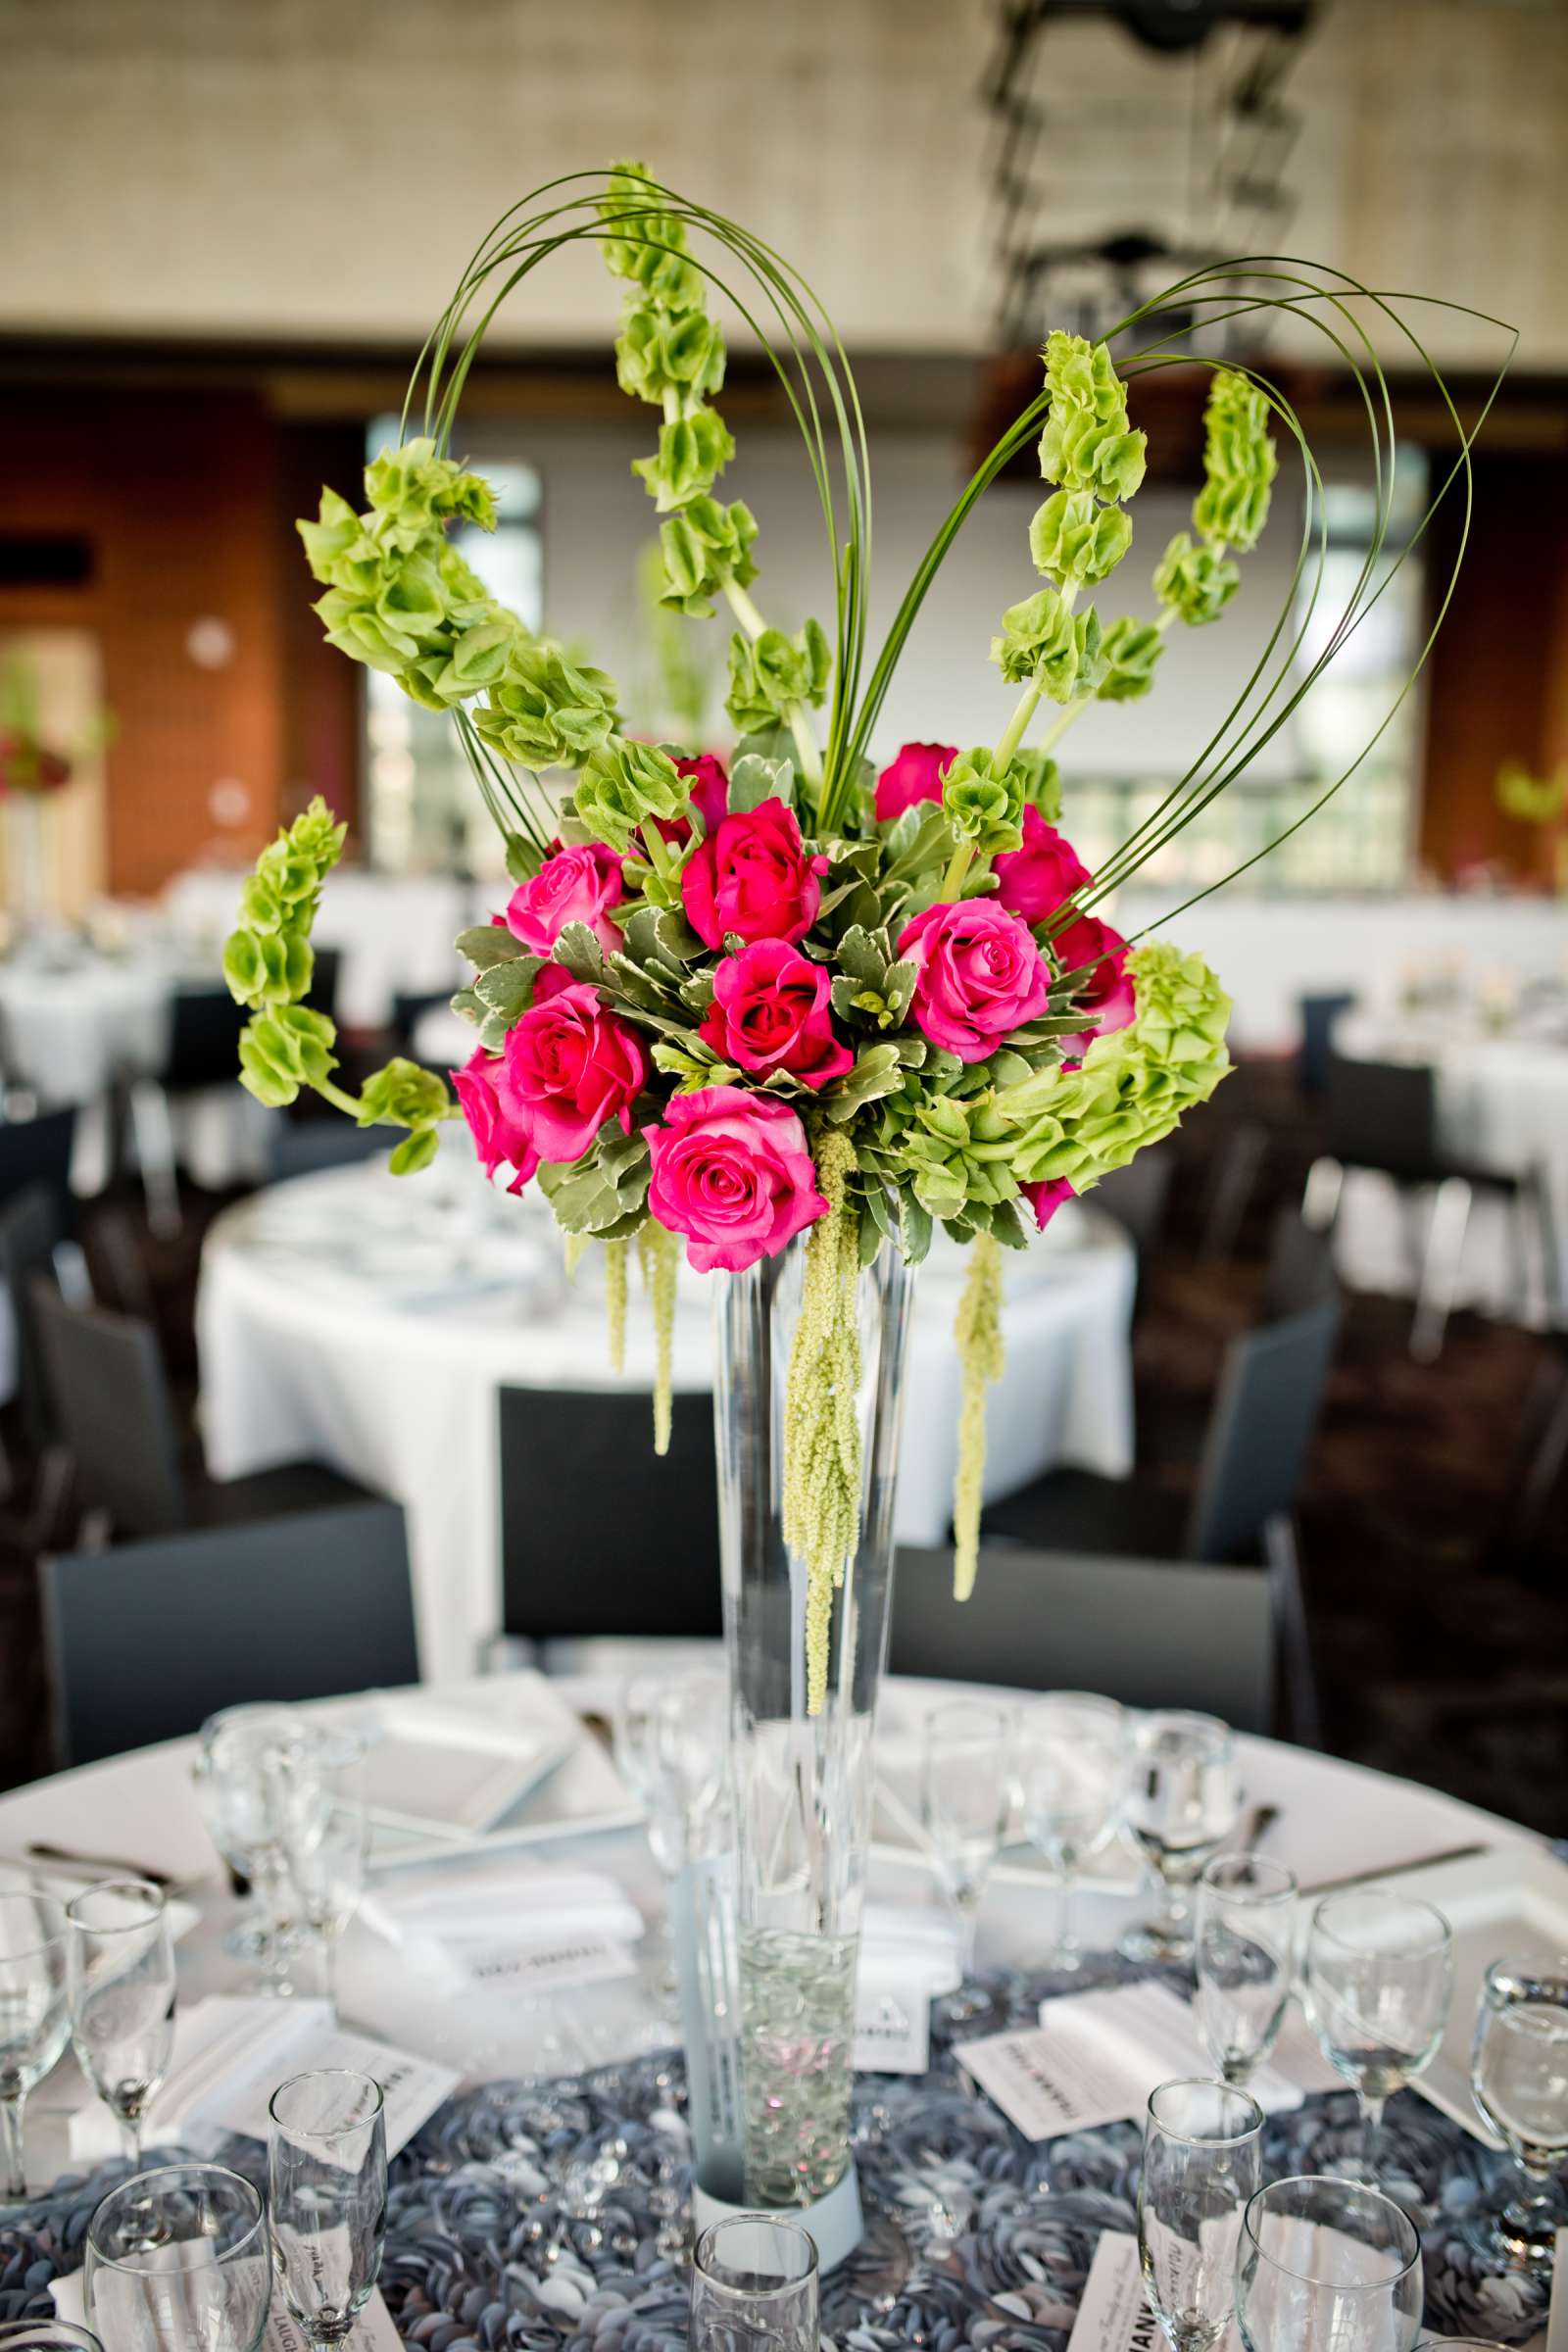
10 2144
329 1974
130 2125
1371 2128
1066 1941
968 1907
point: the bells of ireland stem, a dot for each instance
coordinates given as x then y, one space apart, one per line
1131 650
1045 643
622 787
1086 444
1195 580
984 803
772 674
268 960
704 549
546 712
1133 1085
693 451
1240 463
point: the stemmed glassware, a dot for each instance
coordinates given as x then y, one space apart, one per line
1245 1959
1203 2160
966 1802
35 2015
327 2168
177 2262
1378 1979
121 1996
264 1798
1183 1800
670 1747
1328 2262
754 2287
328 1879
1072 1774
1519 2079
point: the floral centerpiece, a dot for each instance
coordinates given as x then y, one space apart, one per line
787 1014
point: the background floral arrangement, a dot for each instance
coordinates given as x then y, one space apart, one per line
724 1007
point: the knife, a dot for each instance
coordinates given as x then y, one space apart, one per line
1397 1870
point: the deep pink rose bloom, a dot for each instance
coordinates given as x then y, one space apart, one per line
573 886
771 1012
914 775
1046 1198
732 1173
1106 994
569 1066
497 1134
1043 876
751 876
981 975
710 798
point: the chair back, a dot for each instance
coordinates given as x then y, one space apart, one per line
1136 1196
1318 1014
30 1230
324 974
1299 1271
303 1146
1261 1432
37 1152
1382 1114
408 1008
110 1402
600 1534
145 1641
1150 1633
203 1039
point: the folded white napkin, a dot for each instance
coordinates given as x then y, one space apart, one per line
911 1945
435 1916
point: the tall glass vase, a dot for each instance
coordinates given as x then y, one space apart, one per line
803 1783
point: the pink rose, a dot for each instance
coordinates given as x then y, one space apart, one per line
569 1066
981 975
1046 1198
497 1134
1043 876
710 798
573 886
914 775
732 1173
1106 992
771 1012
752 875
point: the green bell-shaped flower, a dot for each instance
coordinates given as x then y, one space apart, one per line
703 548
623 786
1130 649
1077 540
771 672
984 803
1043 641
693 451
1195 579
662 351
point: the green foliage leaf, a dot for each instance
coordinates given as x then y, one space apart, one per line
488 944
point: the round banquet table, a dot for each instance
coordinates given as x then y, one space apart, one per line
486 2208
368 1321
1501 1102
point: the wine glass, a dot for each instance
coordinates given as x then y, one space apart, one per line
1328 2262
327 2168
965 1800
670 1738
1203 2160
45 2335
1183 1800
329 1878
121 1996
34 2014
1519 2077
1073 1773
1378 1979
755 2286
177 2262
259 1796
1245 1959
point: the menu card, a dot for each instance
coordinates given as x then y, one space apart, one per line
373 2330
1114 2314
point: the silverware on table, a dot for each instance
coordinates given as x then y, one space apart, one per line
1397 1870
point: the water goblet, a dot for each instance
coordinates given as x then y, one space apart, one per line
177 2262
327 2171
1378 1978
1072 1776
754 2287
966 1802
1183 1800
329 1878
1326 2262
257 1797
670 1747
121 1996
45 2335
35 2015
1245 1959
1203 2160
1519 2079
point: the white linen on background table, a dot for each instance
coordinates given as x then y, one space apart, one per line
303 1353
1501 1102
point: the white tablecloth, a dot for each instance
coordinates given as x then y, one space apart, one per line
1270 951
393 931
1502 1103
369 1321
67 1033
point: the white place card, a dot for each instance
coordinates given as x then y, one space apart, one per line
372 2331
892 2021
1158 2034
527 1968
1115 2315
1043 2084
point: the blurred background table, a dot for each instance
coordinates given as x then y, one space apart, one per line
369 1322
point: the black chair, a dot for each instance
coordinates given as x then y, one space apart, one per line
303 1146
1137 1196
110 1403
1148 1633
408 1009
325 975
1318 1016
600 1534
1383 1115
145 1642
38 1151
32 1230
1299 1271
